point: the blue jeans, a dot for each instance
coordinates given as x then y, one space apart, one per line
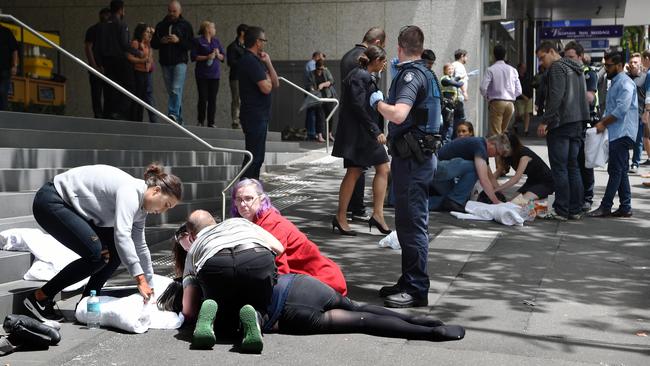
310 122
637 149
5 83
82 237
563 147
148 97
411 182
617 169
174 77
454 180
255 140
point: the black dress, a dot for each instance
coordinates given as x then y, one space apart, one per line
540 180
358 127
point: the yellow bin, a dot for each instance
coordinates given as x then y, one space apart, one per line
39 67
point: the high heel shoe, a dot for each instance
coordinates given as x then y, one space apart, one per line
335 224
372 222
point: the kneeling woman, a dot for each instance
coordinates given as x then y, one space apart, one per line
539 183
300 255
99 212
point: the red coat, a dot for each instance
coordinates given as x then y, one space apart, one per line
301 255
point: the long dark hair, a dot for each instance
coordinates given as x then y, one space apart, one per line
371 54
138 32
171 185
516 150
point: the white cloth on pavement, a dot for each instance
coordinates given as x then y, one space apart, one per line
504 213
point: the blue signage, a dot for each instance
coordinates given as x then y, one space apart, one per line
594 44
567 23
598 31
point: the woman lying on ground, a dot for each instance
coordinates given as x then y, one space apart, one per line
304 305
301 255
539 183
99 212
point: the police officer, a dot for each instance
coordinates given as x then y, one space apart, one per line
413 109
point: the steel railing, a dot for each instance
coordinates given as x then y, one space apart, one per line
322 100
145 105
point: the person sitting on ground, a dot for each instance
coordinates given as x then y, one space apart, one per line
303 305
233 265
300 255
99 212
464 129
539 182
462 162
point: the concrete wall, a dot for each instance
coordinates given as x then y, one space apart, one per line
295 28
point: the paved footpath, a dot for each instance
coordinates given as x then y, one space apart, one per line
547 293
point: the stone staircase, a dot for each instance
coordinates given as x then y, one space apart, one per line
34 148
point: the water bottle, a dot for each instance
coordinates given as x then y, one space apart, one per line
209 62
530 209
93 311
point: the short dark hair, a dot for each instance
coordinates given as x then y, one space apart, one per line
138 32
242 28
116 5
499 52
411 40
573 45
371 54
104 11
645 54
316 53
374 34
429 55
251 36
459 53
546 46
615 57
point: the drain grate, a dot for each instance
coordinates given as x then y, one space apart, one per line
468 240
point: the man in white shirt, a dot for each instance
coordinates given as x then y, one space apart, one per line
461 73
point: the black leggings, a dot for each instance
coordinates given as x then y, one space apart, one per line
82 237
315 308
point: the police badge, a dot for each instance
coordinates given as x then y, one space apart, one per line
408 77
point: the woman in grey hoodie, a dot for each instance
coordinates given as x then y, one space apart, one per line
99 212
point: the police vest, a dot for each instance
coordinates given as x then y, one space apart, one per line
449 91
425 115
594 105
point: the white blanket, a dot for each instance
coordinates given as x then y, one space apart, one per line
51 256
505 213
130 314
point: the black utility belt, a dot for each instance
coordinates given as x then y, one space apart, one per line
410 146
242 248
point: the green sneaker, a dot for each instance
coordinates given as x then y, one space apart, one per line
203 337
252 340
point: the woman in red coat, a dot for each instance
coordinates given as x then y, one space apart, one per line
301 255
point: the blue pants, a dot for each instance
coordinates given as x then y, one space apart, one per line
82 237
563 146
617 169
148 97
637 149
310 122
411 182
255 140
454 180
174 76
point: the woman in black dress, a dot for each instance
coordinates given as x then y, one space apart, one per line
360 139
539 183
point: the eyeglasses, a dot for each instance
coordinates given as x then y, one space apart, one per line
247 200
609 65
181 232
263 40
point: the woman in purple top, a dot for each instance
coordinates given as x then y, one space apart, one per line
206 50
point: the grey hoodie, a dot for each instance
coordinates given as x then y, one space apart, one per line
566 94
110 197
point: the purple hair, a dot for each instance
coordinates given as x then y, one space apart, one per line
265 201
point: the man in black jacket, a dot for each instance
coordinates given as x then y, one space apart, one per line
374 36
234 52
566 111
173 39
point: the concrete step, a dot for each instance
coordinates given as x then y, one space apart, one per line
30 121
13 265
55 139
13 293
26 221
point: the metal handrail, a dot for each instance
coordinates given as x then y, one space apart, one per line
145 105
323 100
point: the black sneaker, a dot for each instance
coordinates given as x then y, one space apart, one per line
42 310
389 290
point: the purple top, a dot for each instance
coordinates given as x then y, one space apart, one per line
201 47
501 82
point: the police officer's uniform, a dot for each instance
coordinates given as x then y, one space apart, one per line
413 166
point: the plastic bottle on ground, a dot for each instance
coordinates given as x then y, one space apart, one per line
93 311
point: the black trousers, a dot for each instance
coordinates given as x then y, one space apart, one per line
234 279
140 81
116 104
97 90
208 90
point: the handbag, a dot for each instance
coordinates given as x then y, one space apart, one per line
310 102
